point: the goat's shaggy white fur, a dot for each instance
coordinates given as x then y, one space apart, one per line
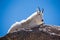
33 20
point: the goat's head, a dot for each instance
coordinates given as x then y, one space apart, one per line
38 17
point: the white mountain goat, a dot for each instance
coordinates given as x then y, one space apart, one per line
33 20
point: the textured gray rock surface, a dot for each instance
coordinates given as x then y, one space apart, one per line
40 32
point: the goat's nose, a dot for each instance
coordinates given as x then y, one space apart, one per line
42 20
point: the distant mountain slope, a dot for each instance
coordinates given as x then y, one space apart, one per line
40 32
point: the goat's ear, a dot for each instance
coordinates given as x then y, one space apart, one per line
42 10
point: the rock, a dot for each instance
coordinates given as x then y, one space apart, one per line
46 33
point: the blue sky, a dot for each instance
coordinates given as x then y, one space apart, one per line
16 10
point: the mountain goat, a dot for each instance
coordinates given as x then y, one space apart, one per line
33 20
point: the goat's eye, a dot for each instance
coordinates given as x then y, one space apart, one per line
38 14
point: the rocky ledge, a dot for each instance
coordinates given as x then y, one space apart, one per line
39 32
